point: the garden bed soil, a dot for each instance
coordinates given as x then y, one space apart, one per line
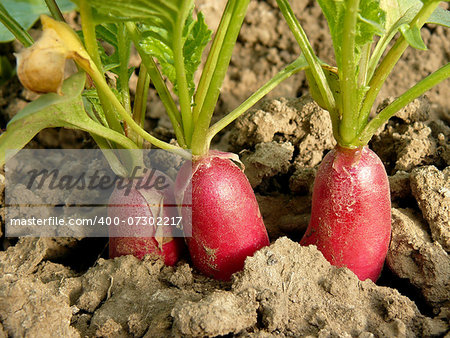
67 287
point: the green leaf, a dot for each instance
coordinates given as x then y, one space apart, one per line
332 76
392 10
193 48
157 42
96 109
407 9
371 21
159 20
401 12
93 106
52 110
108 33
26 13
413 37
398 14
71 90
135 10
397 10
334 12
440 17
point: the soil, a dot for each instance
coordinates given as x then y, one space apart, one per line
67 287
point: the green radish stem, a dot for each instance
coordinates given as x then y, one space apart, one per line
411 94
140 101
158 82
103 87
235 13
363 65
124 49
390 60
90 42
54 10
293 68
314 63
347 72
183 91
211 61
308 52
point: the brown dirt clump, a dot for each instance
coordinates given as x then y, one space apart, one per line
268 159
300 294
29 308
25 299
431 188
220 313
298 121
284 290
412 255
412 138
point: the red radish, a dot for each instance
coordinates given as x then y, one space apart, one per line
227 225
141 246
136 209
351 211
350 217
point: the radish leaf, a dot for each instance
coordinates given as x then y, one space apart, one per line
398 16
52 110
407 9
413 37
157 42
159 26
111 62
135 10
440 17
194 46
371 20
401 13
90 96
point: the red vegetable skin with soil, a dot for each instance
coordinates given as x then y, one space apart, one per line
135 206
350 217
351 188
227 225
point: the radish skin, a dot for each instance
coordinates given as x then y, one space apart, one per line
142 240
351 211
227 225
139 247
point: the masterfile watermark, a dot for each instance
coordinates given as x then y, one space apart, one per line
53 180
64 193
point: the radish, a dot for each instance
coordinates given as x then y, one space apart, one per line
225 221
170 251
134 216
351 188
350 217
227 225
